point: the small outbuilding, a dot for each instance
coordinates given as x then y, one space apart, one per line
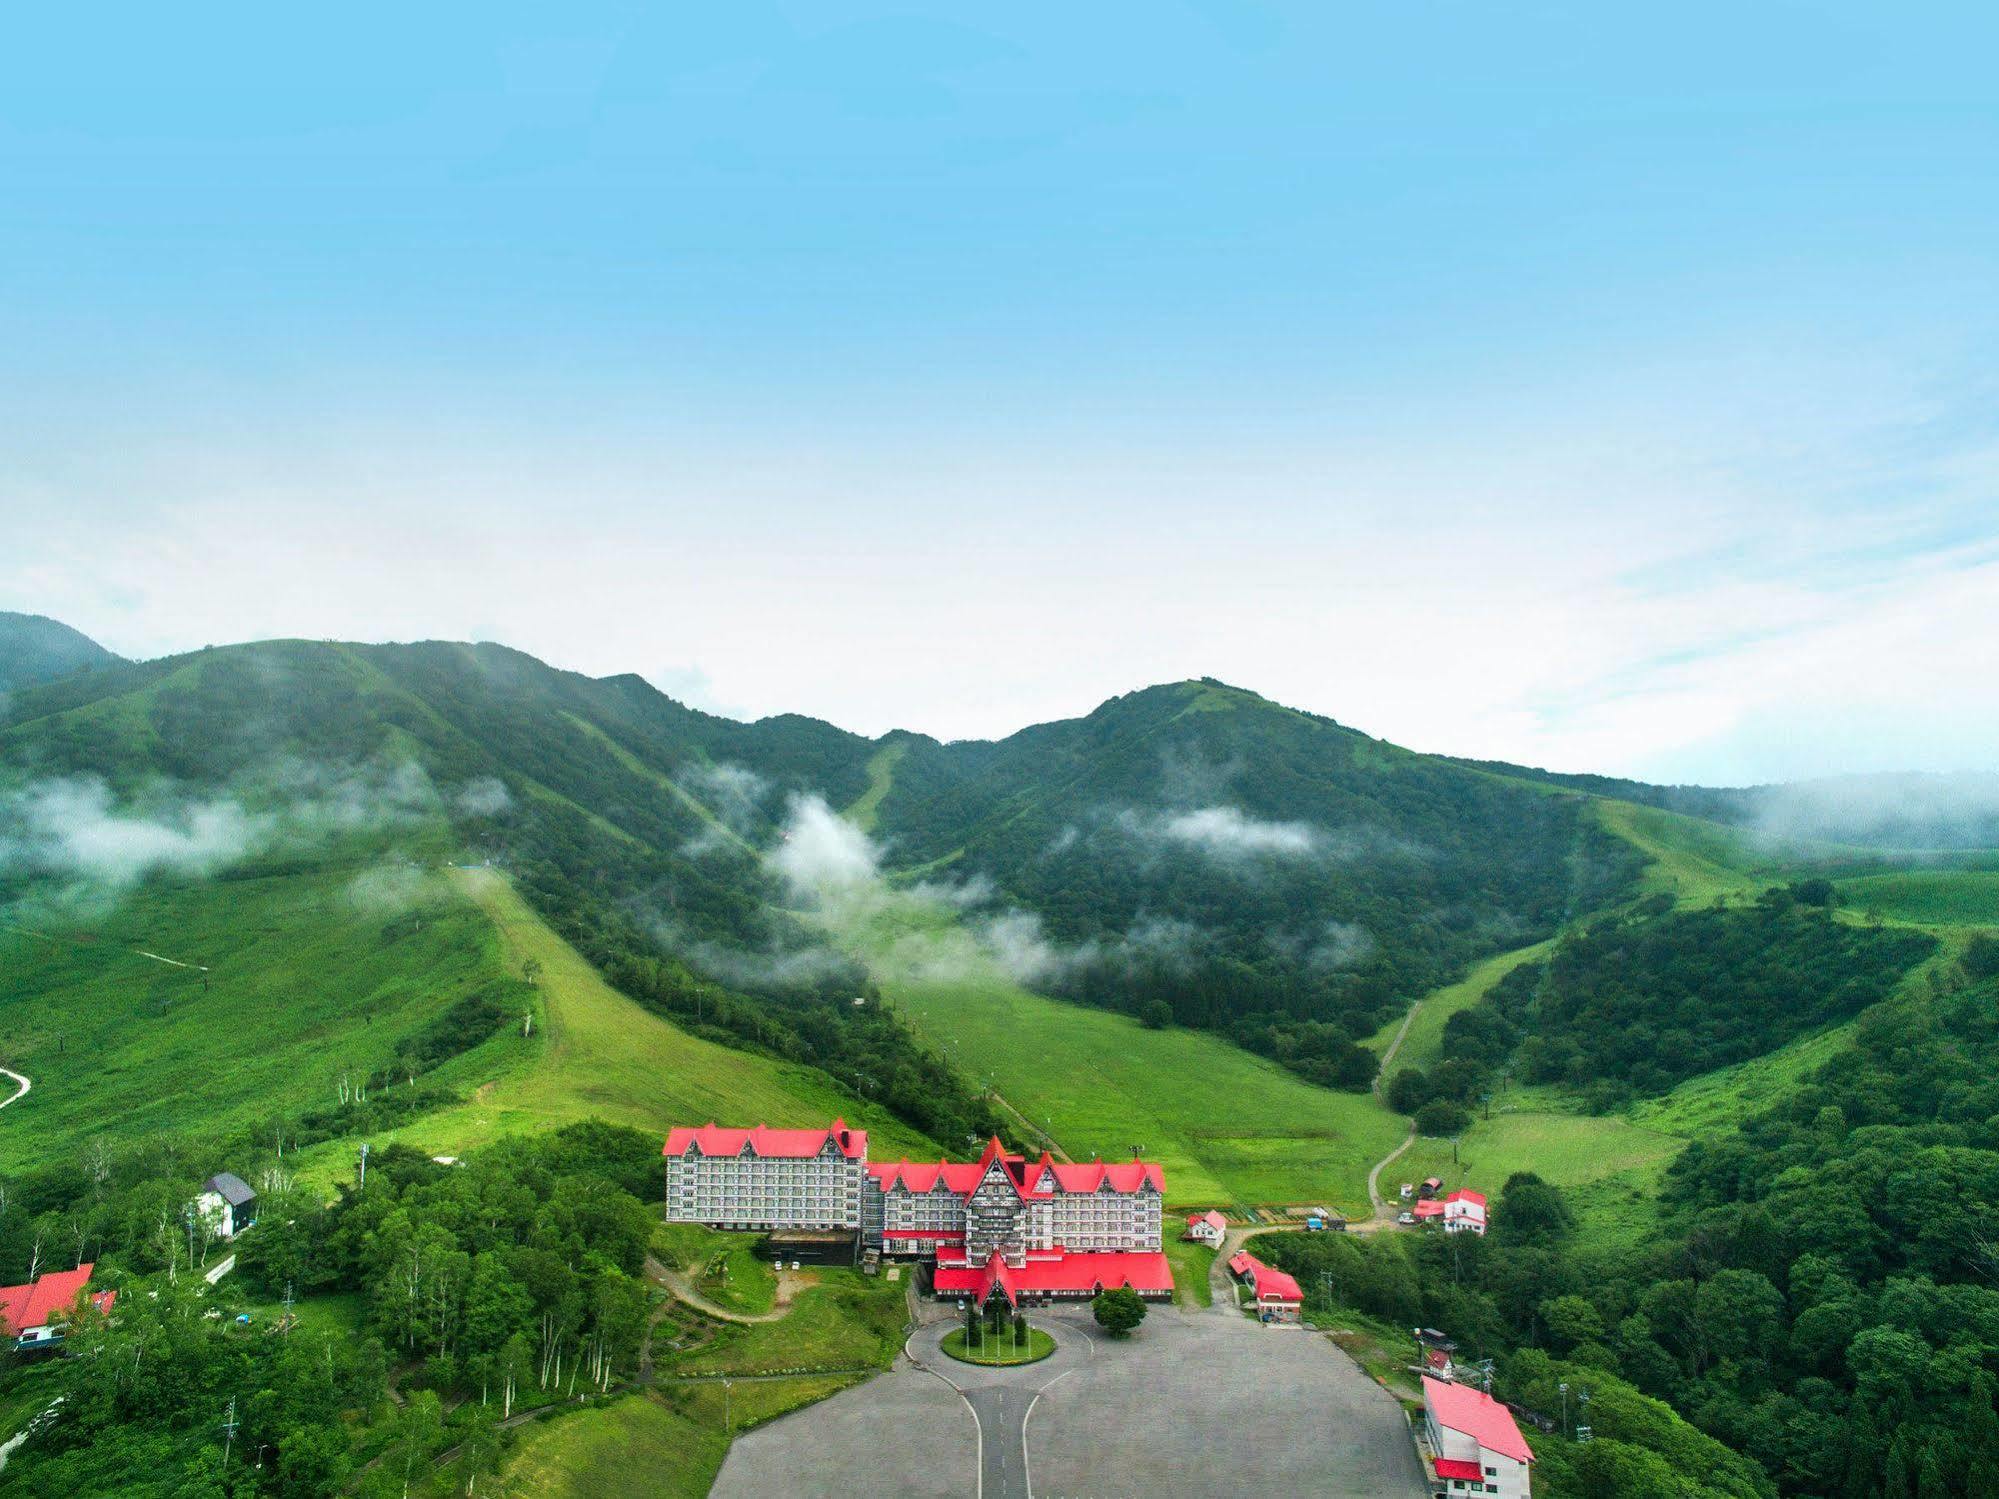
1208 1228
1278 1297
227 1204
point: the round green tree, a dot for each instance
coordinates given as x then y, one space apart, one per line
1120 1311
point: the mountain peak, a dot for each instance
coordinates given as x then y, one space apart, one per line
36 649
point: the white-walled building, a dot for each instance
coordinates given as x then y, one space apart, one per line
1464 1213
226 1204
761 1178
1208 1228
1004 1224
1475 1444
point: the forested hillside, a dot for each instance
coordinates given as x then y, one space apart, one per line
636 825
1638 1002
1262 872
36 649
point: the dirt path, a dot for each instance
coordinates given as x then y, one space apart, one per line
1220 1282
789 1284
1384 1210
1388 1056
23 1084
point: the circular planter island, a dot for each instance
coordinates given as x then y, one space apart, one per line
999 1348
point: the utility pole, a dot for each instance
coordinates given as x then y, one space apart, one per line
229 1425
1565 1407
364 1167
288 1308
728 1409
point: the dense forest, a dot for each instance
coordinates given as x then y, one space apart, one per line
505 1280
1823 1296
1640 1000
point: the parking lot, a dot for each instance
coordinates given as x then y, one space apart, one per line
1197 1402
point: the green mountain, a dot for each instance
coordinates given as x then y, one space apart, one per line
35 649
1264 872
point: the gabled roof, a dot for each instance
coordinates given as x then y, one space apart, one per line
1076 1273
1459 1407
1431 1209
1211 1218
1272 1284
1121 1176
921 1176
230 1187
34 1304
714 1139
1463 1194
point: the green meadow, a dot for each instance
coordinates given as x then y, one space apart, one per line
312 975
1229 1127
603 1056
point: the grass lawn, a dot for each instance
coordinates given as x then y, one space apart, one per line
311 977
999 1347
341 1314
1927 897
1228 1126
1190 1263
603 1056
669 1443
1570 1150
848 1321
1692 860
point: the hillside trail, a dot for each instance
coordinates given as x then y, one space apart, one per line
788 1287
23 1083
1384 1210
1388 1056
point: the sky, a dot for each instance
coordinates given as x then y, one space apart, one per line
1606 391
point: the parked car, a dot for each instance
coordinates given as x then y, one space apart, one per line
1407 1220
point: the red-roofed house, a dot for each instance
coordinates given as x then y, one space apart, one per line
1101 1216
1464 1213
33 1314
1475 1444
1278 1298
1208 1228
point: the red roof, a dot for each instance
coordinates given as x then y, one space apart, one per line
1459 1407
1456 1467
715 1139
962 1176
959 1176
1081 1272
37 1303
1272 1284
1430 1209
1464 1194
1212 1218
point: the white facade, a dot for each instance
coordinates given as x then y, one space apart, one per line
748 1190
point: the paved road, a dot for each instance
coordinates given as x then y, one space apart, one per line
1251 1410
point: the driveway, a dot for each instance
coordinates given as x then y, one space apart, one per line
1197 1401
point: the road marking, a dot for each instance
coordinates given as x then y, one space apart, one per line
1026 1463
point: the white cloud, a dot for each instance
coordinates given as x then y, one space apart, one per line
824 859
1228 832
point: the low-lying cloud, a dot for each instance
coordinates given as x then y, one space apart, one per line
1910 812
77 831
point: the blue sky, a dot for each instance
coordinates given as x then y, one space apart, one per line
1613 391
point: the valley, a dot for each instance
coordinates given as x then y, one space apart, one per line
474 911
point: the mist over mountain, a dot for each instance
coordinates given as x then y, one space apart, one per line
1191 852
